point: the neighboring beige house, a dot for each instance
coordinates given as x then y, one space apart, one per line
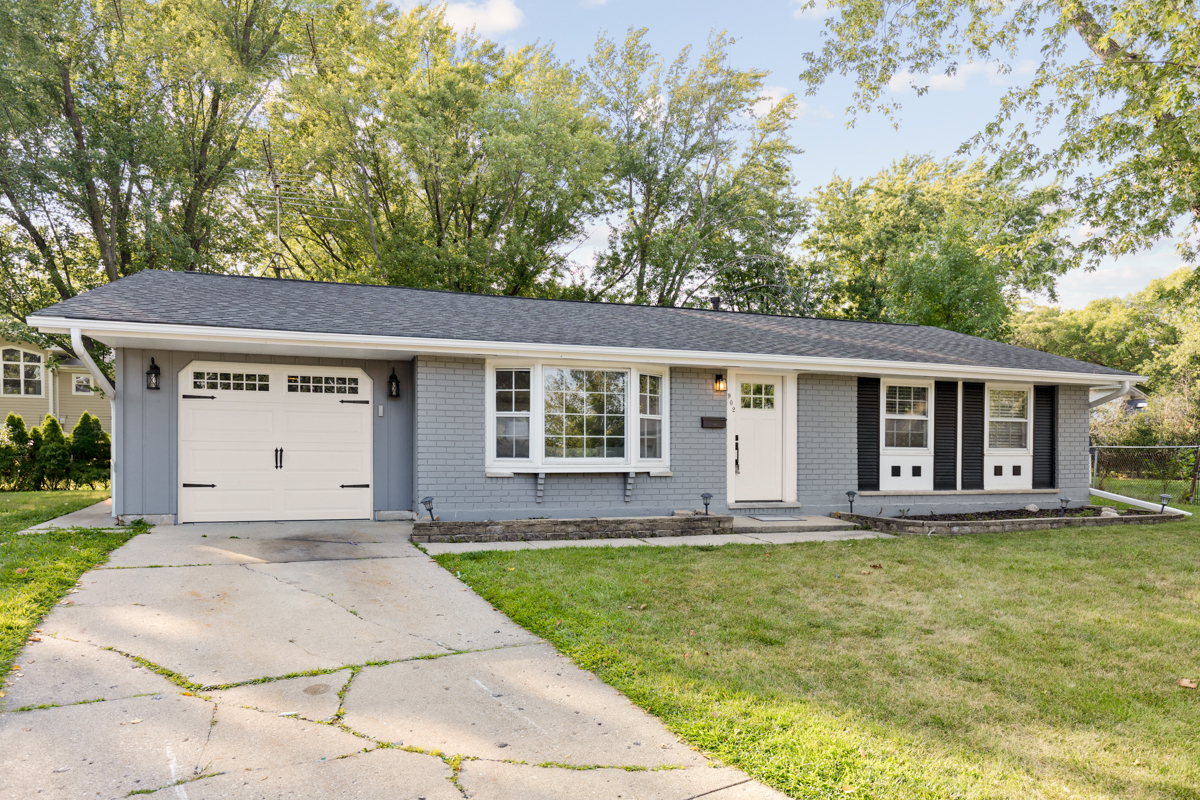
37 382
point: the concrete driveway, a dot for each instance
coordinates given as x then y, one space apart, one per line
317 660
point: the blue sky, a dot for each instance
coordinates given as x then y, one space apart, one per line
773 35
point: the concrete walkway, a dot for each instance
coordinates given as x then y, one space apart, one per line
317 660
749 531
95 516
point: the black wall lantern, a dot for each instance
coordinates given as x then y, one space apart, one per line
719 384
393 385
153 376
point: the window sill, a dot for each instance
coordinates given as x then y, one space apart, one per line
577 469
956 491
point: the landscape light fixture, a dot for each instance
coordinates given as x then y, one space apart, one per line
707 498
393 385
850 495
428 503
1064 502
1165 498
719 384
153 376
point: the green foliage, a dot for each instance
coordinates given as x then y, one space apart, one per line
945 244
1122 110
702 190
47 458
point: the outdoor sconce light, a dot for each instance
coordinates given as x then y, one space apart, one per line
1165 498
707 498
850 496
153 376
393 385
1064 502
428 503
719 384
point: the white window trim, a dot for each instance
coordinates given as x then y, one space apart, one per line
537 461
987 420
41 365
75 389
883 417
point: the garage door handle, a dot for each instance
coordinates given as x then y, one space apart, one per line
278 457
199 486
199 397
356 486
359 402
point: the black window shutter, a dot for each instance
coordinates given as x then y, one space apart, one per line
1044 423
945 435
868 434
972 436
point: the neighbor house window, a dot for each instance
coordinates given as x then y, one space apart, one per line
82 384
584 413
906 416
1008 419
22 372
512 413
650 416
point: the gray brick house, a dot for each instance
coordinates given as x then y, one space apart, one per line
259 399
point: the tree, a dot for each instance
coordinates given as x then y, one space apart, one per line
1125 103
449 162
935 243
702 185
120 126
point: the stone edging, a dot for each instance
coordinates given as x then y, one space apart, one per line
910 527
535 530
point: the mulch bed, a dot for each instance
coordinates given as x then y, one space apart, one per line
1021 513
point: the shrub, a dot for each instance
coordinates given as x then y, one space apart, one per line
47 458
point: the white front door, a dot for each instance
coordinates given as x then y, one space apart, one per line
271 442
758 439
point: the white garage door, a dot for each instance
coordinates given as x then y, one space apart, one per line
272 442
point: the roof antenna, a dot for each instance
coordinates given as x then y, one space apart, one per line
276 262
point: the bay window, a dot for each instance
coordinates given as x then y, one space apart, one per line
554 417
906 417
1008 419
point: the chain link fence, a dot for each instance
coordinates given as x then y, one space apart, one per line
1147 472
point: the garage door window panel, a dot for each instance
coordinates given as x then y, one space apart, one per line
322 384
231 381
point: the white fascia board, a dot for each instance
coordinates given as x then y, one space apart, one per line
205 338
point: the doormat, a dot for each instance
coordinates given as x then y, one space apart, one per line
778 519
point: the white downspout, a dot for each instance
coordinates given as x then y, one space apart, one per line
1126 386
111 393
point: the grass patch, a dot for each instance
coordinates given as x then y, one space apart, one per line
36 570
1039 664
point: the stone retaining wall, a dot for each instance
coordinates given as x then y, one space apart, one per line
535 530
912 527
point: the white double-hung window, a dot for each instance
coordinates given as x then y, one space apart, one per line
906 416
1008 419
557 417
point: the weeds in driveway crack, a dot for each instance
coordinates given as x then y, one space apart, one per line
179 782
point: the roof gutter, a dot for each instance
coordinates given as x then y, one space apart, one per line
255 340
1120 392
97 375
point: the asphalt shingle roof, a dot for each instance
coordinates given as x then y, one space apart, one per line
224 301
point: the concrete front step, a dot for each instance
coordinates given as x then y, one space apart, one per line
802 525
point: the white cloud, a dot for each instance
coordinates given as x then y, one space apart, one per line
942 82
487 18
770 96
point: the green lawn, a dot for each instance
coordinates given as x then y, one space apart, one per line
36 570
1031 665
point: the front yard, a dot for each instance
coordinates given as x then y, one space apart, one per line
1040 664
38 569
